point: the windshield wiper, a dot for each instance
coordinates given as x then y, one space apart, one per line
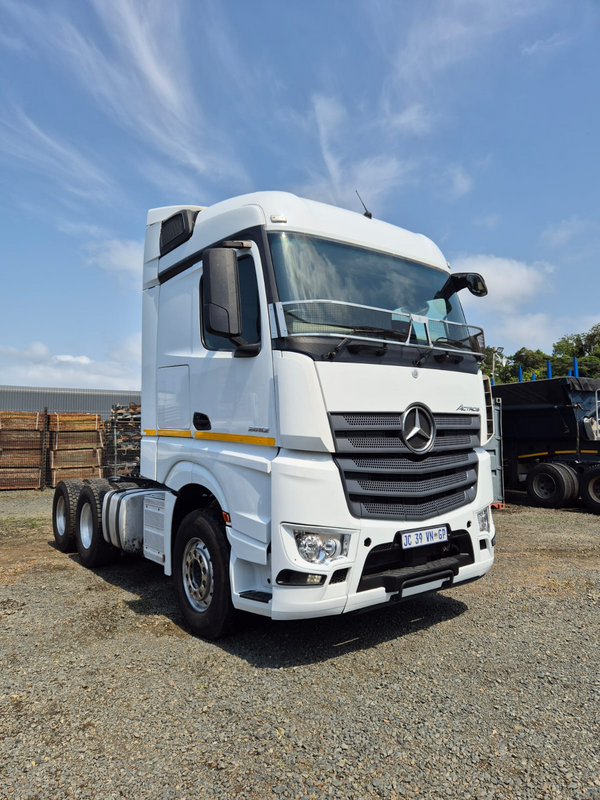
384 333
354 348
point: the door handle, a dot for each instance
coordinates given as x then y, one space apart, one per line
201 422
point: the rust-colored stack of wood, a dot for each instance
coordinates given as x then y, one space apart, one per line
21 450
75 447
122 436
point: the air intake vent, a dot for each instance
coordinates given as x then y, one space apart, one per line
176 230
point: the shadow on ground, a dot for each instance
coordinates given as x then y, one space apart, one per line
270 645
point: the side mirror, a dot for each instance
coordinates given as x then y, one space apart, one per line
463 280
476 284
221 308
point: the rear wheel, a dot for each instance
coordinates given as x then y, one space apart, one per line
574 481
589 484
548 486
93 550
64 507
201 574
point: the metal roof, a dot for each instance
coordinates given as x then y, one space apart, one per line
36 398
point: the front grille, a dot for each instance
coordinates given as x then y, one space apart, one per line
384 479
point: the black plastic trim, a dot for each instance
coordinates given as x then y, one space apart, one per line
188 219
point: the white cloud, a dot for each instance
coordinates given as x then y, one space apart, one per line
35 365
510 283
59 160
561 234
458 182
122 258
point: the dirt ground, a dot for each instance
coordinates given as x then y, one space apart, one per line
103 692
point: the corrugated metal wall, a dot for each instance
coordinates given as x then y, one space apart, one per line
34 398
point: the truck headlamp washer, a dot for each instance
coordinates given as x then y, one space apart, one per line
418 429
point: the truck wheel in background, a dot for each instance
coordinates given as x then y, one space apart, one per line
93 550
548 486
64 507
589 484
574 479
201 574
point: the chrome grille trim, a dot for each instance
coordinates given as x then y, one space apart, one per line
383 479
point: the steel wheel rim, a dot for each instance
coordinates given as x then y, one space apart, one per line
61 516
198 576
545 486
86 526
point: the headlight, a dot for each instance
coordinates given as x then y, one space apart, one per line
483 519
321 546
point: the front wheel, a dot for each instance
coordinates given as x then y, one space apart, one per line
201 574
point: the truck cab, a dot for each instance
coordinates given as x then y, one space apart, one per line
313 414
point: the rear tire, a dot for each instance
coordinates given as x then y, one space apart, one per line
93 550
574 480
64 507
548 486
589 484
201 574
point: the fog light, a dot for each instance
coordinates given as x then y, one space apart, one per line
321 547
483 519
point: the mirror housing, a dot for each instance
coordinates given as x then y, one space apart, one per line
221 308
463 280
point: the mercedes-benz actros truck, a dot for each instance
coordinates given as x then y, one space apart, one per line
313 415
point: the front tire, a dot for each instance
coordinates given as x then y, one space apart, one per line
201 574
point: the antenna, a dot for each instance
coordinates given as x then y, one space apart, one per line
367 213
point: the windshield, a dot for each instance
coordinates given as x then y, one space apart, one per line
333 288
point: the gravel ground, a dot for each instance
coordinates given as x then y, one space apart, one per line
489 691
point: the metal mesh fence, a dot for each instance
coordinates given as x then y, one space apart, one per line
41 448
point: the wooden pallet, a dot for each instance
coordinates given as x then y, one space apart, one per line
57 475
22 420
76 440
22 478
10 459
73 422
20 439
66 459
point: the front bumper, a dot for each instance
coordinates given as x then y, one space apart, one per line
307 490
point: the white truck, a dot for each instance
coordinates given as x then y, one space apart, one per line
313 417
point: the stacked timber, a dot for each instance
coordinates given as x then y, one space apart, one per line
122 436
75 446
22 449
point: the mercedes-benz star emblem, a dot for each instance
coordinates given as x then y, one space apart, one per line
418 429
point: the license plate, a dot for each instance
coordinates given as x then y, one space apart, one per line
427 536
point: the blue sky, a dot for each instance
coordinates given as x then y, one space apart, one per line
473 121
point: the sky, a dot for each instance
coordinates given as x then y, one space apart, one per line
474 122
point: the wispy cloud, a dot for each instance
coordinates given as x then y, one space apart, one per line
140 76
457 182
545 46
563 232
373 175
489 221
122 259
58 159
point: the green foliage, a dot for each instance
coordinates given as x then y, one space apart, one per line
584 346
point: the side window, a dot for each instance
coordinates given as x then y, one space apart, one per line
250 309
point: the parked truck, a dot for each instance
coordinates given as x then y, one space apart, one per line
313 417
551 439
